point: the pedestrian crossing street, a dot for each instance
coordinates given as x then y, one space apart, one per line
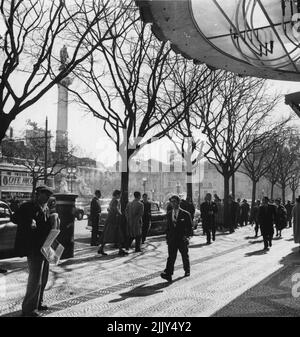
90 285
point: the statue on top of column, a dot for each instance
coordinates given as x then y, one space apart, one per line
64 57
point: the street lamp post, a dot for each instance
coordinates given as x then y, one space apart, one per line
144 184
71 176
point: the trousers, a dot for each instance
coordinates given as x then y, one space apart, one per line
173 248
37 279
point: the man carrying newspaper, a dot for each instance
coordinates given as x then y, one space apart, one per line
34 226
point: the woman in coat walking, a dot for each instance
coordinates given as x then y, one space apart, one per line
113 232
296 221
281 217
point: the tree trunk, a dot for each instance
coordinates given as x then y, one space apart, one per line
272 190
5 121
226 195
189 186
254 182
34 184
283 193
124 190
233 185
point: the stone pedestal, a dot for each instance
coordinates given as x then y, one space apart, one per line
65 207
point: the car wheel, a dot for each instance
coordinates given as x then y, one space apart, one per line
80 216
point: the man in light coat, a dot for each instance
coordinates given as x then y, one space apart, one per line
134 213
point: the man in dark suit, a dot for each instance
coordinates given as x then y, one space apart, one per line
33 220
266 219
179 229
95 213
208 211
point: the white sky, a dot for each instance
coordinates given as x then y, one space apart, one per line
86 132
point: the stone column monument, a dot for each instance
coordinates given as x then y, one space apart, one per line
62 106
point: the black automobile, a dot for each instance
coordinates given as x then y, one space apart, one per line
7 232
80 210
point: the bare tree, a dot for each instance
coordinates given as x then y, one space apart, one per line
287 160
261 156
190 81
235 110
126 87
33 32
32 156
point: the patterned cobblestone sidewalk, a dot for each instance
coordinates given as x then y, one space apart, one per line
224 272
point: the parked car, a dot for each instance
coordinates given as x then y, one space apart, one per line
80 210
7 232
158 220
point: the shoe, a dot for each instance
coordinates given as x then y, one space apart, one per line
214 239
270 243
266 248
31 314
208 242
43 307
102 252
186 274
122 253
166 277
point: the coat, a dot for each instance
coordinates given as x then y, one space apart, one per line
134 213
219 218
29 241
95 212
281 217
147 213
266 219
296 222
113 228
179 231
208 214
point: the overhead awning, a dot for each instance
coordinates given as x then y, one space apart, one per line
249 37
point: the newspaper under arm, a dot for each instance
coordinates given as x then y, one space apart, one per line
52 249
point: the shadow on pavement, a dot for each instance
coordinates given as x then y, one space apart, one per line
13 314
199 245
272 297
142 290
251 237
256 241
257 252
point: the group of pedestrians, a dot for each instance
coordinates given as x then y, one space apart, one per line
121 229
36 218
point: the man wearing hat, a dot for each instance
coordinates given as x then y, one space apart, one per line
33 220
244 213
179 229
266 218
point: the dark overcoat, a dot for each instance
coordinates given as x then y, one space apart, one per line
266 219
208 214
95 212
28 240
